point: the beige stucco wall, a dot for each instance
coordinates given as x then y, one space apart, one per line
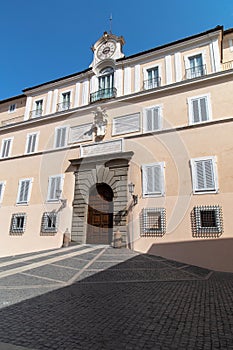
174 148
18 112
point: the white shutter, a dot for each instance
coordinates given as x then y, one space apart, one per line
2 186
153 179
204 176
200 112
80 133
203 109
6 144
55 185
195 105
31 143
24 191
60 137
152 121
126 124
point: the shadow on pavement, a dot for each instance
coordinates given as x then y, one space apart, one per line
146 302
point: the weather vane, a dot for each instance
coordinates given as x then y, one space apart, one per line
110 20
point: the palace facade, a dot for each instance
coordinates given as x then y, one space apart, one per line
140 146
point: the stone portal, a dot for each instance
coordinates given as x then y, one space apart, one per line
100 198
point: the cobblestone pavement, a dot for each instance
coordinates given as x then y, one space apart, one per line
96 297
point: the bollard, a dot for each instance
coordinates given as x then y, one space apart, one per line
66 238
117 239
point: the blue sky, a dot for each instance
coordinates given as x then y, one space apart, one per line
47 39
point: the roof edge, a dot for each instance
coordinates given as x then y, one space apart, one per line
13 98
217 28
57 80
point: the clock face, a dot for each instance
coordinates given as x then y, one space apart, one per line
106 50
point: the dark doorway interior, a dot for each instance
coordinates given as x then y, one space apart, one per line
100 215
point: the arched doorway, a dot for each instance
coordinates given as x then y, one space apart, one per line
100 215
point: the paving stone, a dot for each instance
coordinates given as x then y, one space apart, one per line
166 308
53 272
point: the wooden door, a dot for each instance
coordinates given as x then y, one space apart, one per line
100 215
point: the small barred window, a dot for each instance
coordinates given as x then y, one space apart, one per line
49 223
18 223
153 222
207 221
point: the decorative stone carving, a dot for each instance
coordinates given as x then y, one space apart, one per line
100 123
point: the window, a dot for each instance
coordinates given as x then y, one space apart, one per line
55 188
18 223
204 175
12 108
126 124
49 223
196 67
2 188
153 179
199 109
38 108
60 137
106 80
106 85
31 143
81 133
152 119
6 147
207 221
24 191
152 78
65 101
152 222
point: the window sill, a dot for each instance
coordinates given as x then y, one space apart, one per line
153 195
206 192
22 204
53 201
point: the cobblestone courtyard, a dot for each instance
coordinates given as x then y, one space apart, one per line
96 298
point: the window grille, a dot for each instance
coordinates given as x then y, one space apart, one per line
49 223
207 221
153 222
18 223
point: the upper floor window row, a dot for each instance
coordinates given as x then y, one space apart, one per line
12 108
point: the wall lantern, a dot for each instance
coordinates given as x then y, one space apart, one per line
62 201
131 191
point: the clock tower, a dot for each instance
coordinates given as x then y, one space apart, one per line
107 50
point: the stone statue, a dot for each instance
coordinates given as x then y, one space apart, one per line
100 122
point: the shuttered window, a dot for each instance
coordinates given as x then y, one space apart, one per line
60 137
6 148
153 179
204 175
152 119
31 143
2 188
24 191
126 124
81 133
199 109
55 187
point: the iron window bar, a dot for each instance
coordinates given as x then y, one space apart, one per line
36 113
63 106
152 83
103 94
195 72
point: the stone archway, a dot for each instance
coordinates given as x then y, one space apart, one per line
100 215
110 169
